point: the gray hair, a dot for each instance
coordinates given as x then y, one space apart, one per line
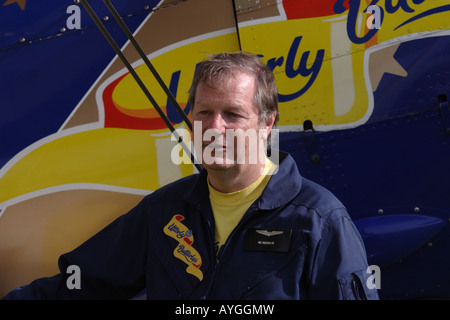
218 69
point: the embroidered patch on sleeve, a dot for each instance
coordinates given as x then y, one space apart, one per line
184 250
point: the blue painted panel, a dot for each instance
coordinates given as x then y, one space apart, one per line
46 79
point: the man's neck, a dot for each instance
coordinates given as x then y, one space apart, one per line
235 178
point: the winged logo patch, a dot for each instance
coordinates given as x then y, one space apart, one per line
268 233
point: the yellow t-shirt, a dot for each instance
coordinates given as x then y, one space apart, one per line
229 208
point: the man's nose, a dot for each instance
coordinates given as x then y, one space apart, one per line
217 122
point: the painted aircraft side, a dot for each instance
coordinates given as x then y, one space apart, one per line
363 110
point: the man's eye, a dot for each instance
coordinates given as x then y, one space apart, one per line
203 112
233 115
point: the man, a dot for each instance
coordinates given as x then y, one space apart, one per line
238 230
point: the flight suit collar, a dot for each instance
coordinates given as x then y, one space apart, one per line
283 186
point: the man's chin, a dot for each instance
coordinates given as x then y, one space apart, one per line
218 164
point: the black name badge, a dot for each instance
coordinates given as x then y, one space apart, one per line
268 240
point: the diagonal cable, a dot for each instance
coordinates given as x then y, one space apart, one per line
144 57
138 80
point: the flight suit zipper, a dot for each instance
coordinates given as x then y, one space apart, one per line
212 252
251 212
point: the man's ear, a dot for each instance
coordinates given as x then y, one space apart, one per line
270 120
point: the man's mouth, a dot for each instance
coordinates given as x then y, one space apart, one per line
214 146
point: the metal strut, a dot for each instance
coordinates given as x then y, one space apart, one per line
138 80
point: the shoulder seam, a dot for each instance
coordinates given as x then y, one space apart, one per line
320 213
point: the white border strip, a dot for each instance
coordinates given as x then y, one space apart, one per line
71 187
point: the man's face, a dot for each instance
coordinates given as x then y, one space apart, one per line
225 111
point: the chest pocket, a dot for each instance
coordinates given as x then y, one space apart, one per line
264 274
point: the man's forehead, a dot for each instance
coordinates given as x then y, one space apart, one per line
227 81
235 91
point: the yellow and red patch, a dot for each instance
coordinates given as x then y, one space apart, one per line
184 250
